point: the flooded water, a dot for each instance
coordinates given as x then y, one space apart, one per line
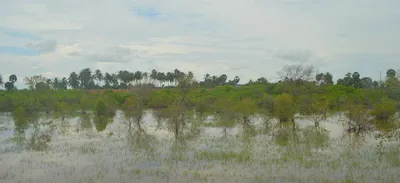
74 151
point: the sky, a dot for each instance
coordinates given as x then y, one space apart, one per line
245 38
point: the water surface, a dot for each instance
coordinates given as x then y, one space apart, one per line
74 151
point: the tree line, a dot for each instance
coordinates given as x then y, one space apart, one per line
123 79
299 91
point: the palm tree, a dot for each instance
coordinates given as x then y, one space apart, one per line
236 80
214 81
13 78
138 77
86 78
170 77
161 78
125 77
145 76
207 77
177 74
108 80
98 76
56 84
114 81
191 75
1 80
48 82
10 84
64 83
73 80
390 73
153 75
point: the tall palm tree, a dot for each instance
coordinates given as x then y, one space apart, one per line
98 76
138 77
73 80
64 83
1 80
161 78
114 81
190 75
13 78
56 84
86 78
153 75
145 76
207 77
177 74
108 80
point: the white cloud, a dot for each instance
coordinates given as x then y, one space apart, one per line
295 55
44 47
53 75
239 37
70 49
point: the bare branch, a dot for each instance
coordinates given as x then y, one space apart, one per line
297 72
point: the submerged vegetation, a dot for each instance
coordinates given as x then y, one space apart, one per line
263 114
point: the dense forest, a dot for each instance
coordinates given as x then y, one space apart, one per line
172 94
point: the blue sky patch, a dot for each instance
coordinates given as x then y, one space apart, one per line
17 34
148 13
18 51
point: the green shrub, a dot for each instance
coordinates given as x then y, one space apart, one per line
384 110
284 108
100 108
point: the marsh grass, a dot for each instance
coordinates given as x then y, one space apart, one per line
87 149
3 128
223 156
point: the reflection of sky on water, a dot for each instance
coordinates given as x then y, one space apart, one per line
76 155
6 133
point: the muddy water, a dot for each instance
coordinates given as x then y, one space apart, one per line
74 151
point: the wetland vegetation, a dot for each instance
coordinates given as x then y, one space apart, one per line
170 127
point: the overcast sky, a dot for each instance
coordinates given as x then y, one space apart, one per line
247 38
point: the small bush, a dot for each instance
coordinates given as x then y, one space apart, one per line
384 110
101 108
284 107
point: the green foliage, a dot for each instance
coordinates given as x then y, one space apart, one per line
315 107
284 107
384 110
117 98
20 118
102 115
86 102
129 103
358 119
266 103
63 109
282 99
225 115
319 104
101 122
132 108
245 107
162 99
5 102
305 103
113 102
203 104
101 108
357 113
